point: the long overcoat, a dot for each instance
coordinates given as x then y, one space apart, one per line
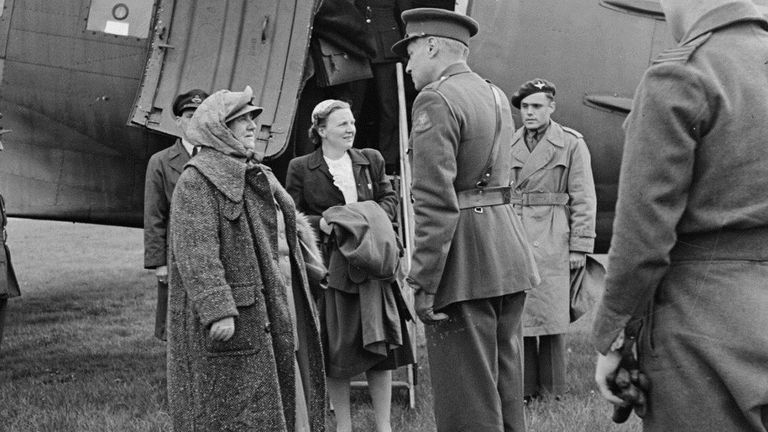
222 263
163 171
463 254
559 164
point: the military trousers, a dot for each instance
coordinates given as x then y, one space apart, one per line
476 365
705 350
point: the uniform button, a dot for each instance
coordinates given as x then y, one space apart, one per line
536 243
268 328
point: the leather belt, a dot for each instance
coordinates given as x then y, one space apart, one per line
485 197
540 199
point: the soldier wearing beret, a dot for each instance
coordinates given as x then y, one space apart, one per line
688 254
554 195
471 262
163 171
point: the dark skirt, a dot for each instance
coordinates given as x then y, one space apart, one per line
342 334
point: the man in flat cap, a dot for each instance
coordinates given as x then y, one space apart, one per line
163 171
471 262
554 195
689 255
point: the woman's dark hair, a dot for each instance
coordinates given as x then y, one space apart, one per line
320 117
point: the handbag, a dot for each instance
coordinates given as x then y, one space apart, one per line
334 66
587 283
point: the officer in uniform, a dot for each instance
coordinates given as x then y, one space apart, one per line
471 262
554 195
688 256
163 171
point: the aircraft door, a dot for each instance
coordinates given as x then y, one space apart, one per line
6 10
215 44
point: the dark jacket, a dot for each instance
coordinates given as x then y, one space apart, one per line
311 184
382 19
695 159
163 171
462 254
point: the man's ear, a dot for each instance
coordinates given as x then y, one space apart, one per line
552 106
433 47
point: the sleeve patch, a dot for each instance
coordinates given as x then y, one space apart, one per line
421 122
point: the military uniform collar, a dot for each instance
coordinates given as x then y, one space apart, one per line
454 69
727 14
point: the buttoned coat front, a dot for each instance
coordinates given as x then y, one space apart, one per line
463 254
163 171
560 163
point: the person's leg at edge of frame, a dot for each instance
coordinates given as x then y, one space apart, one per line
510 335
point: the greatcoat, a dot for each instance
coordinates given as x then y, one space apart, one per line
689 250
223 262
559 164
163 171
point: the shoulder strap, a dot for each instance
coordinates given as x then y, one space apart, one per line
485 177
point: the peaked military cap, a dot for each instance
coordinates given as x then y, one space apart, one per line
537 85
190 99
421 22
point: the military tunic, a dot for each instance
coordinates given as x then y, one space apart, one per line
689 253
558 167
476 261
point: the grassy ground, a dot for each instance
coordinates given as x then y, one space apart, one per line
79 355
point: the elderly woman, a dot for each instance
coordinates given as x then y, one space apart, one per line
244 350
363 328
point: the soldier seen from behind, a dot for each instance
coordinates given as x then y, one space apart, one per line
689 258
471 263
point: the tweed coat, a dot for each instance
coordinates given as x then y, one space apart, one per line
223 262
560 163
463 254
311 184
163 171
691 225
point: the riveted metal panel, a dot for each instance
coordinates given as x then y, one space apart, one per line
215 44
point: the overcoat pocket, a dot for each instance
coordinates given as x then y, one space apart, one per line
249 325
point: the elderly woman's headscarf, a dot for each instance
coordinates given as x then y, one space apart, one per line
208 126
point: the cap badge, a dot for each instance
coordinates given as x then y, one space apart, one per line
197 99
539 85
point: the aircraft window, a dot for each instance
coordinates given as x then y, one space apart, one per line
120 17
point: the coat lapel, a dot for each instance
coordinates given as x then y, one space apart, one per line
363 182
178 157
316 163
544 151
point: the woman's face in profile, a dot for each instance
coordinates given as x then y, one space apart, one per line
244 129
339 130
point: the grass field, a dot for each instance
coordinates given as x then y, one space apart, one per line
79 355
